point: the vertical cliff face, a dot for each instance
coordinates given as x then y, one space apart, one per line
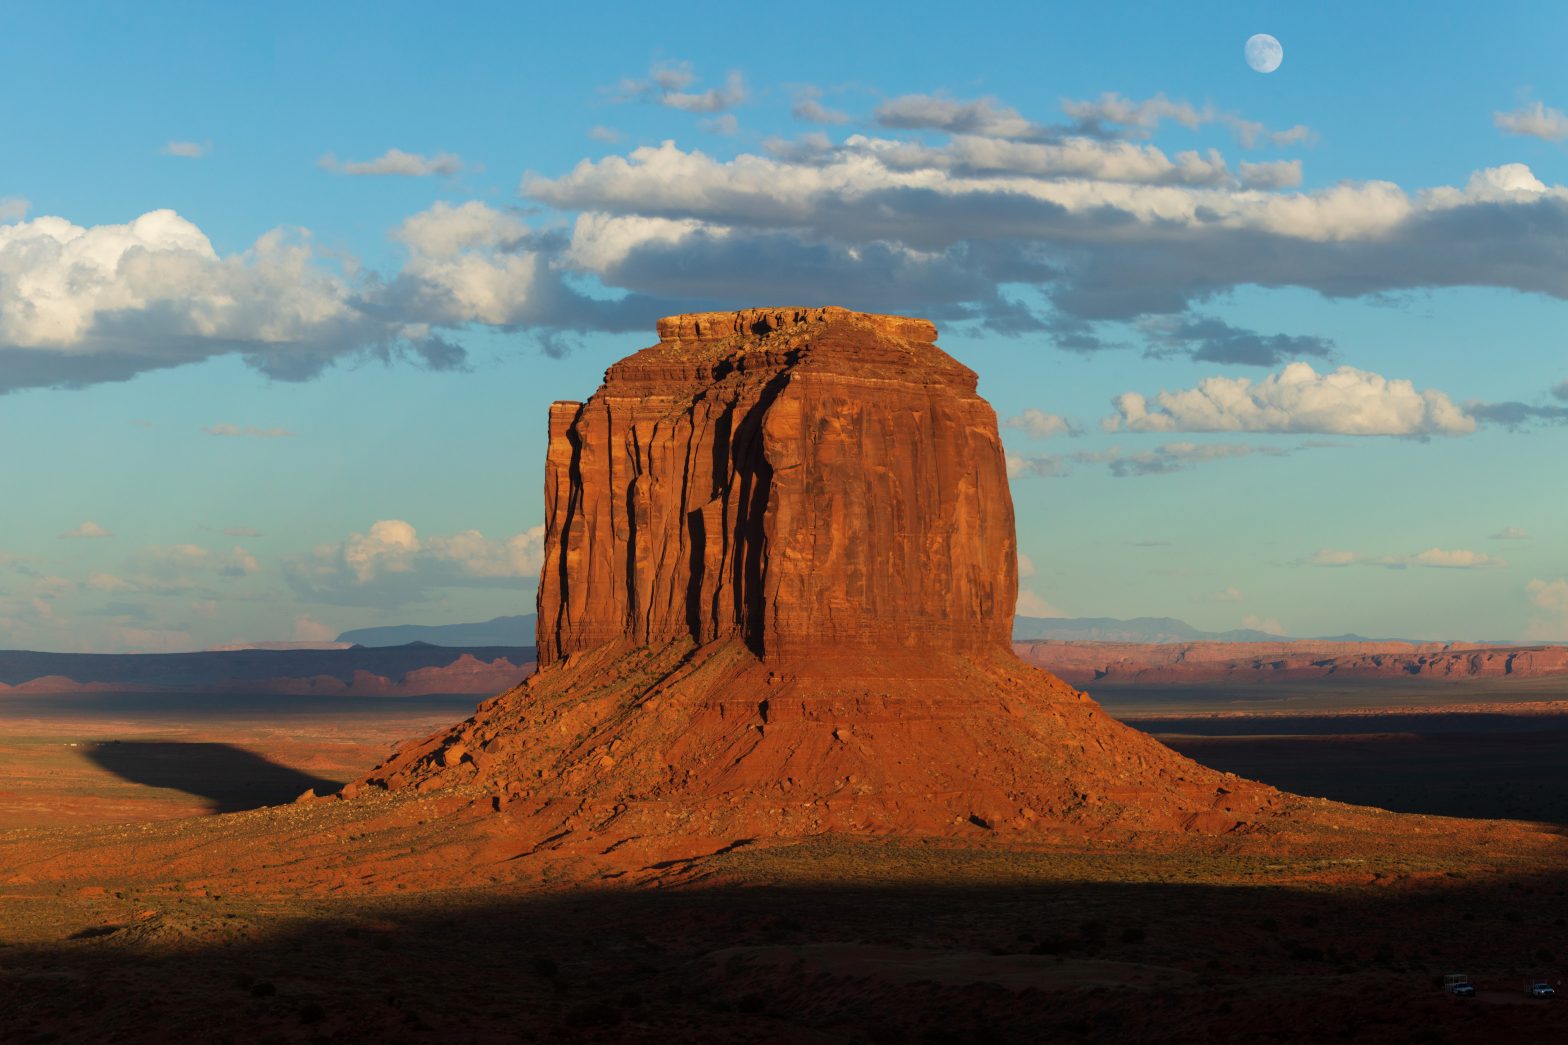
796 478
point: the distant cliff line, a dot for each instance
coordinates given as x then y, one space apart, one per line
519 631
427 670
401 671
1101 664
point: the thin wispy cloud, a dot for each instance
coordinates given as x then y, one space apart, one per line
177 569
13 208
668 84
808 106
1208 339
1431 558
1510 533
1110 116
985 117
396 163
1517 415
187 150
1165 459
247 432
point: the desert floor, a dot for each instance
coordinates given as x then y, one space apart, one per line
831 940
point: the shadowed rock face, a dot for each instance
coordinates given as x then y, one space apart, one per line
795 478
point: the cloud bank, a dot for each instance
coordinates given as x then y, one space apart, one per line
961 209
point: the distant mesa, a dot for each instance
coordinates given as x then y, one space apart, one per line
1138 629
779 576
519 631
402 671
501 631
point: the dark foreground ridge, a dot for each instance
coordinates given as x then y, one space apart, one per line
1021 956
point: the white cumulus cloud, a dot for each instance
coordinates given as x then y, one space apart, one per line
1535 121
1346 401
396 163
87 530
1031 604
1551 598
1039 424
392 564
1268 624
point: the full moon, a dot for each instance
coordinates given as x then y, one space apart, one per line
1264 53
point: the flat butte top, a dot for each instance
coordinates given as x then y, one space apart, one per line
707 346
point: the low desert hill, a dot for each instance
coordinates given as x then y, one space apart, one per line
517 630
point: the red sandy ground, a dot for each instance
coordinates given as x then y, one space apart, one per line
401 916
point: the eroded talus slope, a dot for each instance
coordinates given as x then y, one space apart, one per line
712 741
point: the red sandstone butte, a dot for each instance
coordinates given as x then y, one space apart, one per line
792 478
778 583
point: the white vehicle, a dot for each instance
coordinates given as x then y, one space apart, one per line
1458 985
1541 989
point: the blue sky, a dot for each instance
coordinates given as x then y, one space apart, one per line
284 293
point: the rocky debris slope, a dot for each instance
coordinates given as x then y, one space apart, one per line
776 601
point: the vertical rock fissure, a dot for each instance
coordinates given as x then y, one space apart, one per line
750 455
558 615
696 531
